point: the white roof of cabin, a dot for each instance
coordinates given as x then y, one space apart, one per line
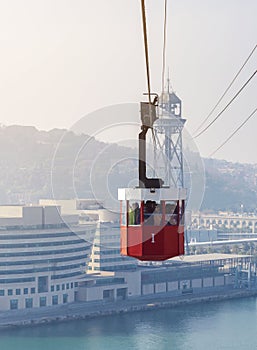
157 194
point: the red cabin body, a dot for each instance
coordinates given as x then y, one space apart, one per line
152 223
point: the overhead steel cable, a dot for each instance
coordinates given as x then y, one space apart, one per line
223 110
164 44
147 61
225 92
146 49
230 137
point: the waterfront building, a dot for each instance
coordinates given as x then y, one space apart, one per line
88 209
202 235
42 256
192 275
102 288
105 254
224 221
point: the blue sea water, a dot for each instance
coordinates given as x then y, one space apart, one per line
213 326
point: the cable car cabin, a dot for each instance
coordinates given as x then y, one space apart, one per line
152 223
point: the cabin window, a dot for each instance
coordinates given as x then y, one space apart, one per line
182 212
171 213
153 213
134 210
157 214
124 213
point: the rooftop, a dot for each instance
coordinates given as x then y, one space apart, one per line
18 216
207 257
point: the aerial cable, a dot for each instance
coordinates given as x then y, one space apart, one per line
230 137
147 61
223 110
146 49
227 89
164 44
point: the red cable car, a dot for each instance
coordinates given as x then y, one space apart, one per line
152 216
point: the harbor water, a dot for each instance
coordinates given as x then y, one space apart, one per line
230 324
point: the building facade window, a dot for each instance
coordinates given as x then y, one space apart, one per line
1 292
33 290
57 287
55 299
14 304
10 292
28 303
25 291
18 291
42 301
65 298
42 284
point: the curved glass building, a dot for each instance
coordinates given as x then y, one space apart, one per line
42 256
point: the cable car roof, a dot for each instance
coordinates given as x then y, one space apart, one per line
156 194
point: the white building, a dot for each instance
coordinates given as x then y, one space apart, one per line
192 275
106 242
106 250
42 256
87 209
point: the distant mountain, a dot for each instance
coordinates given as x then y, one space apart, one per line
58 163
230 186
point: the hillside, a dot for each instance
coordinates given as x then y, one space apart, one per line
230 186
82 165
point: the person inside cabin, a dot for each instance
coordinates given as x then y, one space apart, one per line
131 215
149 209
134 214
171 214
158 215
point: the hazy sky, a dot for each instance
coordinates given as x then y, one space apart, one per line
62 59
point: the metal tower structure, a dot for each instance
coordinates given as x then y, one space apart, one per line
168 135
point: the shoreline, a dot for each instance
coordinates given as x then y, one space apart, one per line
83 311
